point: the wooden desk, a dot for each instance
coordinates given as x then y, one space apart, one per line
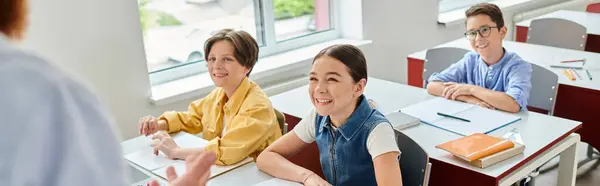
541 145
577 100
589 20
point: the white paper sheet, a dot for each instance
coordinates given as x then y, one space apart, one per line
215 170
483 120
144 157
277 182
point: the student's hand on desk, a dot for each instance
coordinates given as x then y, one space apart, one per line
197 171
453 90
315 180
165 143
148 125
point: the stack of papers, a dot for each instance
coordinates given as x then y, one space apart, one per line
482 120
157 164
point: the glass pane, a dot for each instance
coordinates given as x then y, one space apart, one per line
449 5
296 18
175 30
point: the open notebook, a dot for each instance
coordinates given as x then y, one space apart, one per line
482 120
145 158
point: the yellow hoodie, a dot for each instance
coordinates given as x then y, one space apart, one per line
251 124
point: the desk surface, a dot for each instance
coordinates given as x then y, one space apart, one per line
538 131
543 56
244 175
589 20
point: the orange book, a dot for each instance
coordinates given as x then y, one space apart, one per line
476 146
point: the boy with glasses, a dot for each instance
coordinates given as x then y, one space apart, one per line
490 76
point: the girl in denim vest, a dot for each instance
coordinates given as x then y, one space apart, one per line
356 142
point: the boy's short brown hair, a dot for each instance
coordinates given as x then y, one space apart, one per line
245 47
488 9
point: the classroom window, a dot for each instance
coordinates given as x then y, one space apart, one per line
174 31
297 18
449 5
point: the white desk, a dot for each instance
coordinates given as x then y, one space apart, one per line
540 133
589 20
543 56
245 175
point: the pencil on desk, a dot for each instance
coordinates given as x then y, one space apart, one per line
567 74
578 76
571 61
588 73
570 71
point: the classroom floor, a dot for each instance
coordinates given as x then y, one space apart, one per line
591 178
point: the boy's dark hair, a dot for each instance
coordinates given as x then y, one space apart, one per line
488 9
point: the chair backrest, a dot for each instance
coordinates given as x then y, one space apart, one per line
544 84
281 121
438 59
593 8
571 35
414 161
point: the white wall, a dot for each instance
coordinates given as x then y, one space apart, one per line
100 42
401 27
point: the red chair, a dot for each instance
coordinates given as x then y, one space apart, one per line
594 8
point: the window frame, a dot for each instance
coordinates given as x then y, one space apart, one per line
462 5
265 31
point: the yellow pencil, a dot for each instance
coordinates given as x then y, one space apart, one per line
572 72
567 74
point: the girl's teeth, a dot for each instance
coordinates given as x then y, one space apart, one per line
323 101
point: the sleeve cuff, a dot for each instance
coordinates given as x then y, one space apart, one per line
517 98
213 146
302 136
434 77
171 118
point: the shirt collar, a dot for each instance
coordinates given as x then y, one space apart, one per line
356 120
505 57
238 97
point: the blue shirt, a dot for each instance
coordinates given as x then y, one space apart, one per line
511 75
54 131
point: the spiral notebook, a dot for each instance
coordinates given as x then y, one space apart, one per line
482 120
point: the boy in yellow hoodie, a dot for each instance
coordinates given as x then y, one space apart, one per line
236 118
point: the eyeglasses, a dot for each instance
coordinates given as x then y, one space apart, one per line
483 32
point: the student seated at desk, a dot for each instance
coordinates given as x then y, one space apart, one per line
491 76
237 118
356 143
